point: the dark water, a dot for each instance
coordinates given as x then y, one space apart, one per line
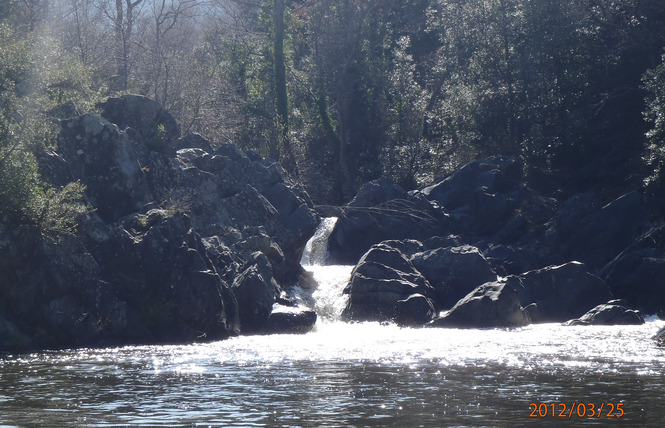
347 375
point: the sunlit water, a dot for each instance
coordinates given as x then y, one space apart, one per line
346 375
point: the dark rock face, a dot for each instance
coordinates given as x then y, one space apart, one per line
52 295
494 304
559 293
453 272
385 286
614 312
186 240
593 233
98 154
360 226
481 195
636 274
485 219
157 128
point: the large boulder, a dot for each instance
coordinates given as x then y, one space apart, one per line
52 295
453 272
494 304
256 292
385 286
560 293
158 264
289 320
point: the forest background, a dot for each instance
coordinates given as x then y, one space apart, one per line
346 91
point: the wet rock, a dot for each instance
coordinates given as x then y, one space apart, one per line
289 320
256 292
614 312
385 286
453 272
562 292
494 304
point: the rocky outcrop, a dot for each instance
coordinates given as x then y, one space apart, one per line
568 253
372 218
636 273
185 239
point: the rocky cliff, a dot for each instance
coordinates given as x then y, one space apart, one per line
185 240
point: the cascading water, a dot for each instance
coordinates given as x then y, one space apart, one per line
327 299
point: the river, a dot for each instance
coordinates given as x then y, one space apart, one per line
341 374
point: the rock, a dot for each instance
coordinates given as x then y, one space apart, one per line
415 310
513 260
289 320
562 292
586 230
358 228
193 141
453 272
613 312
494 304
377 192
104 159
51 296
256 292
481 195
158 265
635 274
157 127
385 286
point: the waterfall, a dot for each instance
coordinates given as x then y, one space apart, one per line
316 249
327 299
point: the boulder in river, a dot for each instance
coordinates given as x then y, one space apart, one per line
614 312
560 293
493 304
289 320
385 286
453 272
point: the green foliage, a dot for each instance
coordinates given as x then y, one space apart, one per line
654 84
24 130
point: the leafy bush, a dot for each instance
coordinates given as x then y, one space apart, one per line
26 88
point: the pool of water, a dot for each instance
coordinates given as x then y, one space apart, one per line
346 375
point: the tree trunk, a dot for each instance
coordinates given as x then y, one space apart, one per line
281 100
